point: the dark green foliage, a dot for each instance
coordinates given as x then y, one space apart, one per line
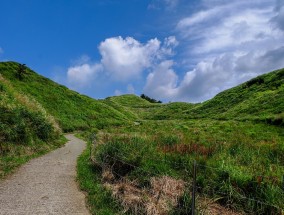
257 81
21 71
20 125
143 96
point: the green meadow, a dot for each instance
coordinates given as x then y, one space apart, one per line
143 150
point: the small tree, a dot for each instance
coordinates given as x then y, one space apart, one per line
21 71
143 96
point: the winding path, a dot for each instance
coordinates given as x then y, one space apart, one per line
46 185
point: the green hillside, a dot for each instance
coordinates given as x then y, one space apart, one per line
232 137
139 107
26 129
130 100
236 138
260 99
72 110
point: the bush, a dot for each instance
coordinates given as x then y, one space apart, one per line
143 96
19 125
257 81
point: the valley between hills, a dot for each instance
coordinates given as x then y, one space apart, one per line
149 158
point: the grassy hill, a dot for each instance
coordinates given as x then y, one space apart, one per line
26 129
130 100
236 138
260 99
34 110
72 110
141 108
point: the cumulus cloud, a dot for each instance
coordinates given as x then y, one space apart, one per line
125 59
227 43
162 81
167 49
83 75
223 44
122 60
210 77
235 40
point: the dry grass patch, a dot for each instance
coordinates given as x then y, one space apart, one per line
209 207
158 199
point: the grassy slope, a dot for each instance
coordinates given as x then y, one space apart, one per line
135 105
26 130
129 100
240 144
72 110
261 99
213 134
240 152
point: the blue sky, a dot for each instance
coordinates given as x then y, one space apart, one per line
172 50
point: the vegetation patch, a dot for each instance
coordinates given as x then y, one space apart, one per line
99 198
26 130
227 153
236 139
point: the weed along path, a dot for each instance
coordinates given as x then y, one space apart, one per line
45 185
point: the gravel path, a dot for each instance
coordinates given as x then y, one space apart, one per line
46 185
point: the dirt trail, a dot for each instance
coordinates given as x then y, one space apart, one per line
46 185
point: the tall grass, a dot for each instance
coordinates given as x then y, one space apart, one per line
237 161
26 130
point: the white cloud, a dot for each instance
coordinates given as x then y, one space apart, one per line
125 59
235 40
225 28
122 60
162 81
167 49
82 75
208 78
171 41
199 17
224 44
